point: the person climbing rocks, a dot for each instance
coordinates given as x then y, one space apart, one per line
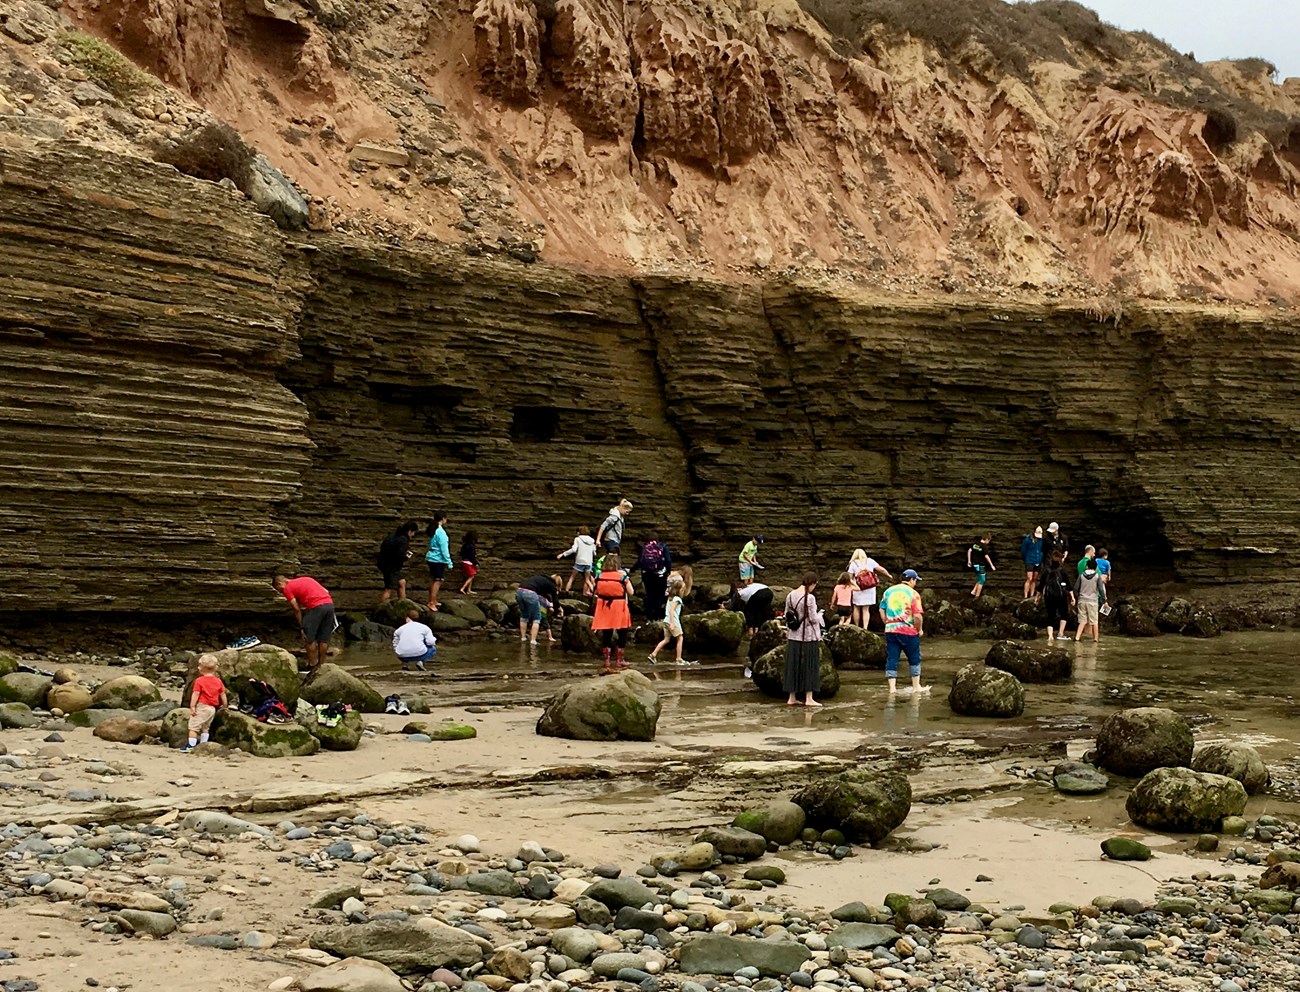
313 607
1054 541
583 550
749 559
438 557
866 574
980 562
655 563
1031 553
1056 593
904 617
613 617
414 643
536 594
1090 597
394 552
803 643
1103 564
469 562
610 535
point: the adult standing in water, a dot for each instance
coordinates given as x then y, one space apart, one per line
866 574
1031 553
655 562
313 607
803 643
535 594
393 554
613 616
610 534
1090 597
904 620
1057 594
438 557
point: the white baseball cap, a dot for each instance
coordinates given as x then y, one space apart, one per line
1053 526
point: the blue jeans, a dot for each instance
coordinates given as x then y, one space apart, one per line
530 605
419 659
908 644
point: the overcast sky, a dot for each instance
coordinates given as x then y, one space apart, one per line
1215 29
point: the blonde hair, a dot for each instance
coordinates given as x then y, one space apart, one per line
686 575
858 555
675 585
208 663
624 505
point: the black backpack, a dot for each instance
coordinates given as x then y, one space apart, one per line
254 693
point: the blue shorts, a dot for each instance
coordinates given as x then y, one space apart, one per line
981 574
427 656
582 569
746 571
530 606
908 644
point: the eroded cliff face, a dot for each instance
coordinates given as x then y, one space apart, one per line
190 398
738 138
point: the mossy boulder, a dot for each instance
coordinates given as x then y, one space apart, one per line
175 727
1132 621
444 622
465 610
127 692
767 638
263 740
769 674
576 634
717 632
1203 624
1184 801
495 609
1030 663
70 697
865 804
16 716
947 618
978 690
1133 742
346 736
855 649
616 707
1239 761
264 662
1125 849
333 684
8 663
393 612
26 688
1174 615
445 730
781 822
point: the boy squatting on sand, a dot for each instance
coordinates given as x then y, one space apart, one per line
207 695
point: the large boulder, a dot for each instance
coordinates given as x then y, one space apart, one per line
768 637
393 612
369 632
1184 801
1203 623
1174 615
865 804
768 673
407 946
780 822
8 663
855 649
263 740
448 623
344 736
128 692
622 707
464 610
576 634
1132 621
26 688
735 841
175 727
981 691
719 954
264 662
1133 742
333 684
1029 663
717 632
70 697
16 716
1239 761
947 618
127 730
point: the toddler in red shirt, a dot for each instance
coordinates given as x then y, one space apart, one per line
207 695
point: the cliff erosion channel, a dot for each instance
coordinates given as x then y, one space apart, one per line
189 396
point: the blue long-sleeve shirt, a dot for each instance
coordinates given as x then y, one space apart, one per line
439 548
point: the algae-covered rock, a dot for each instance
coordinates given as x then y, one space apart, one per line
344 736
1202 624
8 663
465 610
263 740
1174 615
1133 742
1132 621
769 673
334 685
717 632
981 691
1030 663
26 688
16 716
127 692
1078 779
855 649
393 612
1239 761
446 730
576 634
865 804
617 707
767 638
175 727
1184 801
1125 849
264 662
448 623
779 822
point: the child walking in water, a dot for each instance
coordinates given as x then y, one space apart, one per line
672 621
842 597
469 562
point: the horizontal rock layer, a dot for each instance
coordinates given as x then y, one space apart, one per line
188 399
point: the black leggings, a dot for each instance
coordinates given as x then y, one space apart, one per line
608 637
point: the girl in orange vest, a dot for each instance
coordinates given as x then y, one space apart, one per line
613 616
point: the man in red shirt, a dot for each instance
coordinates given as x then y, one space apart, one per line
312 605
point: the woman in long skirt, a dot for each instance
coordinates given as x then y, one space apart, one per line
803 643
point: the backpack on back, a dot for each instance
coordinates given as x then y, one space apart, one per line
653 556
866 579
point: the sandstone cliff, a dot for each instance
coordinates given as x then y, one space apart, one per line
190 396
921 145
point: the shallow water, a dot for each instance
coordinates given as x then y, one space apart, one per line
1240 686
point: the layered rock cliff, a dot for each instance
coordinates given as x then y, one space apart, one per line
189 397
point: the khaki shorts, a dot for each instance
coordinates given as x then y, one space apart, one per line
1088 613
201 718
